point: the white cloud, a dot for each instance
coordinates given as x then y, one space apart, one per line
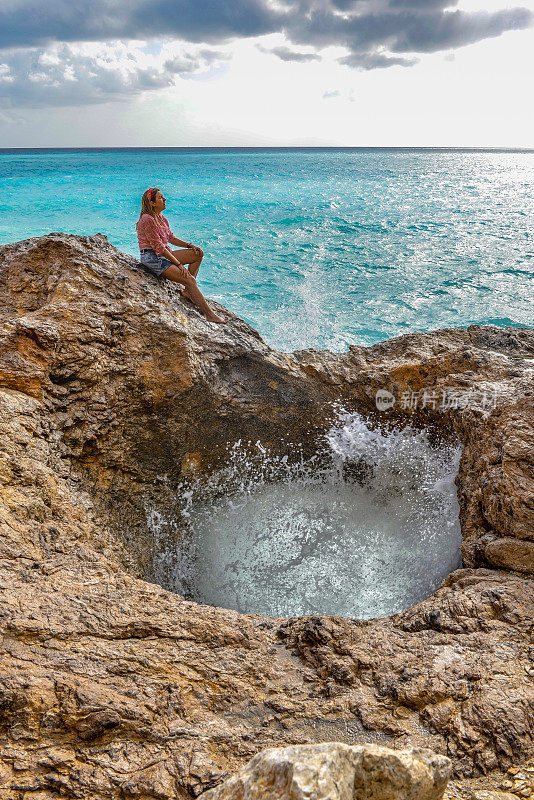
96 72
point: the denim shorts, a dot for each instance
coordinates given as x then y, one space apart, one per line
156 264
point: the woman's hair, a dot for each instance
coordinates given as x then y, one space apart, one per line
146 205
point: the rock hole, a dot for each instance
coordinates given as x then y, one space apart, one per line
366 528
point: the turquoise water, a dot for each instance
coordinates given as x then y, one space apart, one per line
315 248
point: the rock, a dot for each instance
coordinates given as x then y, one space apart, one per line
333 771
112 392
520 780
483 794
509 553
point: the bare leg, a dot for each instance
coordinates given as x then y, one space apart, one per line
182 275
192 260
189 257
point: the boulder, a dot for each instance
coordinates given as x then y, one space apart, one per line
333 771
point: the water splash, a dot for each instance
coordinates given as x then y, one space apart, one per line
309 318
367 527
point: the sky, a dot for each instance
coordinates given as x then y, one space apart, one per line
171 73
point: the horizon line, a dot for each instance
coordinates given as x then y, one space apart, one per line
460 148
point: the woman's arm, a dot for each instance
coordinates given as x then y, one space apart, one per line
179 242
190 246
167 253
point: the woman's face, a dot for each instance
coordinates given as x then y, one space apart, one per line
159 202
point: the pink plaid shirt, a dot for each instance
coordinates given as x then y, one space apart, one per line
154 235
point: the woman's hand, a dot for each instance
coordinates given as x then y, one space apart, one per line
193 247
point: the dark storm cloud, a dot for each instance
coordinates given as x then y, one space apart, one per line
420 25
408 31
344 5
457 29
205 20
422 5
32 22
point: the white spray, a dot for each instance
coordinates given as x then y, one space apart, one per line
366 528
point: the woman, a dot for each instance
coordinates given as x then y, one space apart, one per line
154 233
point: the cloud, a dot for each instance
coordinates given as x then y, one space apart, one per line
330 95
32 22
425 34
73 75
367 61
287 54
425 30
184 63
46 56
361 25
423 5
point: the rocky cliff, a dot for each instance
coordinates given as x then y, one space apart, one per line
111 391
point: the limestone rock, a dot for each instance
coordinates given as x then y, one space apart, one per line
483 794
333 771
111 391
509 553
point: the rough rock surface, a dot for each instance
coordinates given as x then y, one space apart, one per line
334 771
111 391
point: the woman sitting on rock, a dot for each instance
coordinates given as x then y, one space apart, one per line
154 233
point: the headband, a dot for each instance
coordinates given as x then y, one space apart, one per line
152 189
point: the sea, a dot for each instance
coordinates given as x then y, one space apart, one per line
314 247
